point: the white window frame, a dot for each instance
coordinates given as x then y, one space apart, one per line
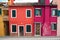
11 28
31 28
51 12
38 8
30 13
11 13
53 23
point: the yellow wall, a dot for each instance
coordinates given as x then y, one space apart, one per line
1 24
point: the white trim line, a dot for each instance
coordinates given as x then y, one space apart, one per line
41 13
54 23
11 13
30 13
31 28
18 29
35 28
11 28
51 12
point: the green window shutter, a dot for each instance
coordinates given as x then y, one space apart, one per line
13 13
0 11
58 13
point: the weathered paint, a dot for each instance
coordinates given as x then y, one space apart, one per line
2 33
21 17
46 20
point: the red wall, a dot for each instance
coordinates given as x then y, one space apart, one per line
21 17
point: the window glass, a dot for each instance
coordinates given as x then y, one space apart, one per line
54 12
28 13
13 13
54 26
13 28
28 27
38 12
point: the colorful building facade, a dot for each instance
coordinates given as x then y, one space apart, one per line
4 27
33 19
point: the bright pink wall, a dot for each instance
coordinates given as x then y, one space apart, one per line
46 20
47 2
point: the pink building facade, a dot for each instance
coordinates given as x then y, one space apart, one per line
47 20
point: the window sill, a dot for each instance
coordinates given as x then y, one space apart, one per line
28 32
13 32
53 16
37 16
54 30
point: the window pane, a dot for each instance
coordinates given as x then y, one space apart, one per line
54 26
28 13
38 12
0 11
28 28
42 1
54 12
13 28
13 13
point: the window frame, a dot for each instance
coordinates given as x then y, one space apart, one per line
51 26
51 12
16 13
41 13
30 13
11 28
31 28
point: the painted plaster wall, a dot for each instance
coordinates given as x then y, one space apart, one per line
2 33
21 17
46 20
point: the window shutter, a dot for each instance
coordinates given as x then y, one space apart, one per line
0 11
58 13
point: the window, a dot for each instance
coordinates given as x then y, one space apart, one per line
28 28
13 28
54 12
54 26
38 12
42 1
13 13
0 11
28 13
5 12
